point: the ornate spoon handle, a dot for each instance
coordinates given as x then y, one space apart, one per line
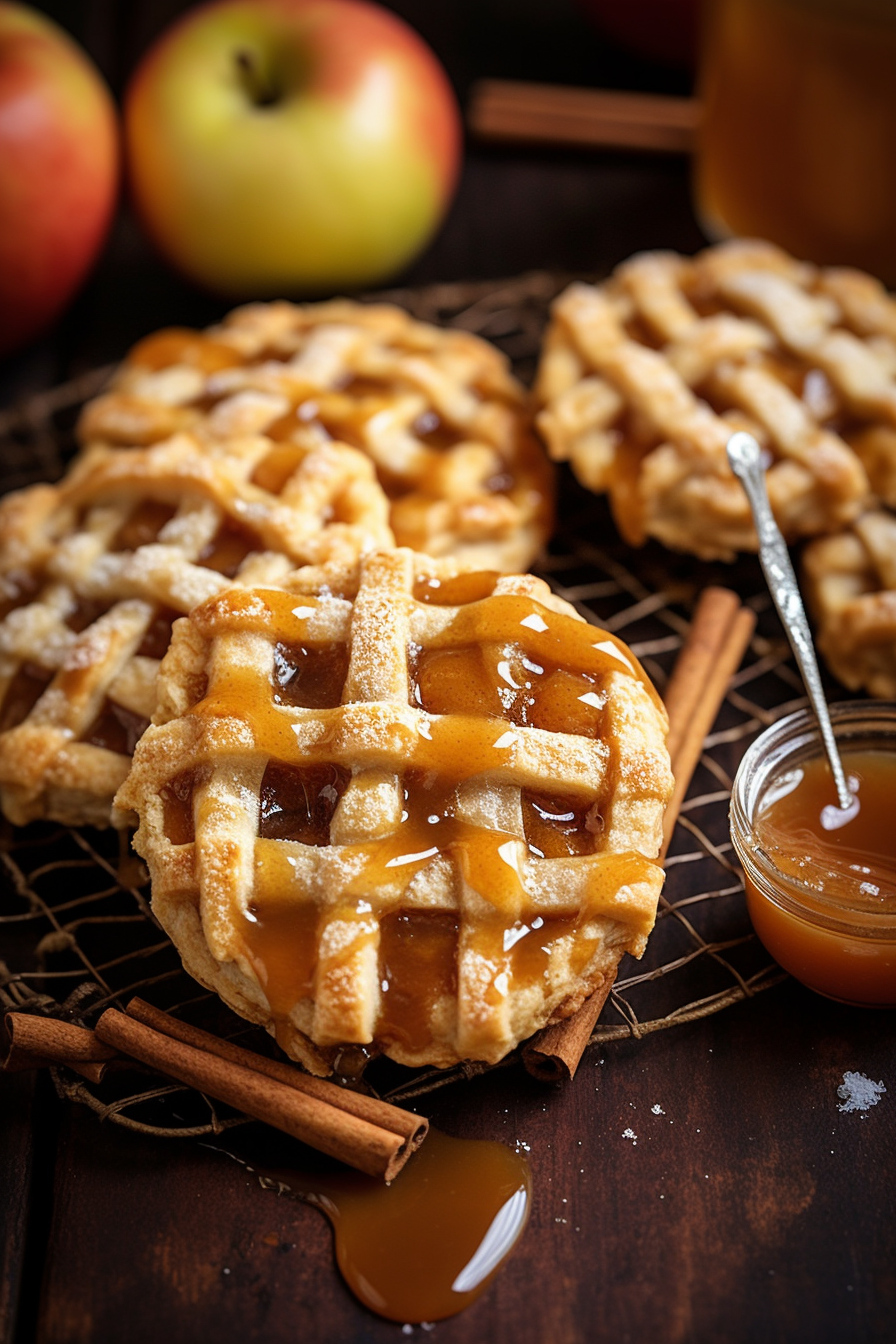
745 457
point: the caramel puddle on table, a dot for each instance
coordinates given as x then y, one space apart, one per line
427 1245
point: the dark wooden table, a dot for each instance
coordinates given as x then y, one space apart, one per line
701 1184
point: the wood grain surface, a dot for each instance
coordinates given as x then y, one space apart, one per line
698 1185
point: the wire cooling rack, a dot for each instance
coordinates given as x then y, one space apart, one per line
76 927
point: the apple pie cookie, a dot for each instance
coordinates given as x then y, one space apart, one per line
402 808
851 587
93 572
436 410
644 378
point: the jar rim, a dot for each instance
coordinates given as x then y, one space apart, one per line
791 739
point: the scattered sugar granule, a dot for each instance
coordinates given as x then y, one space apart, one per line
630 1134
859 1093
657 1109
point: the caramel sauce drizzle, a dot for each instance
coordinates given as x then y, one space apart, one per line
452 592
423 1247
501 662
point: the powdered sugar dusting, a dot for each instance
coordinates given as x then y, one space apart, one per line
859 1093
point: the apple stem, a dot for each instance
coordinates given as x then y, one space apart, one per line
262 92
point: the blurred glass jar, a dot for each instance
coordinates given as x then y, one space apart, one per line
798 134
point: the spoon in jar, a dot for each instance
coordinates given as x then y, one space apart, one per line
745 457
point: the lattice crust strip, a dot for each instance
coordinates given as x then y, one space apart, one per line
94 571
644 377
413 810
437 411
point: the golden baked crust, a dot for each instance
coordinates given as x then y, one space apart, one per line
850 583
644 378
436 410
394 806
93 572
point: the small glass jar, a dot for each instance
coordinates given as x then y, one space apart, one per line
843 947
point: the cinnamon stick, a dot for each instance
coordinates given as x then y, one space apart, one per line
512 110
706 635
716 642
411 1127
37 1042
713 669
554 1053
323 1124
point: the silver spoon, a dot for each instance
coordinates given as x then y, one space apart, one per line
745 457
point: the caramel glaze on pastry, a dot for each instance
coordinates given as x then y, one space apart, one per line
644 378
94 570
436 410
395 807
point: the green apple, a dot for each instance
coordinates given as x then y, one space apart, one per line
291 146
58 171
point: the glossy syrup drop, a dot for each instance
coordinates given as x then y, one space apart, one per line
429 1244
846 856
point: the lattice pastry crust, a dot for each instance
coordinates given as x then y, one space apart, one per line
644 378
436 410
850 582
401 808
93 572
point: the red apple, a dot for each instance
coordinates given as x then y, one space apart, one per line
58 171
291 146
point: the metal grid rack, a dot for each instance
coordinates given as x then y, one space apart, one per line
76 927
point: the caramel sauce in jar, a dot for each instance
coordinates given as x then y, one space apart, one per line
427 1245
820 881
